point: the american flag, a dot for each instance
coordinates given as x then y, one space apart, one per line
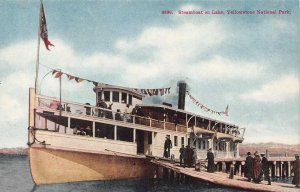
43 28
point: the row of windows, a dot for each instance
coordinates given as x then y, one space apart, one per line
176 140
115 97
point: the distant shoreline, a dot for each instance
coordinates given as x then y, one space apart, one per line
14 151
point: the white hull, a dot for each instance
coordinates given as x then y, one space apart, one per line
59 166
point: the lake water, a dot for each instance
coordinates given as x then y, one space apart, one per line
15 176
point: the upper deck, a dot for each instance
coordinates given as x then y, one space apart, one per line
146 116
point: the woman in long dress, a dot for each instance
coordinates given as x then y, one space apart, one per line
256 167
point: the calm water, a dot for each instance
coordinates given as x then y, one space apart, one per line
15 176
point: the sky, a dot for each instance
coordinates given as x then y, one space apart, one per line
249 62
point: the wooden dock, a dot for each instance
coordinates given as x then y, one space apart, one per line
222 179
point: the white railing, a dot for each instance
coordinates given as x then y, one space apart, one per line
52 104
87 110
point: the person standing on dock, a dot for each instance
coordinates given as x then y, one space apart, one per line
249 166
265 168
256 167
167 147
182 157
296 171
211 163
190 153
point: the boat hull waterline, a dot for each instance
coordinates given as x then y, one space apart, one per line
50 166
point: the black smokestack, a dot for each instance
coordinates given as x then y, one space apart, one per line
181 95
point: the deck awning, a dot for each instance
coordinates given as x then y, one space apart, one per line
202 130
227 136
61 120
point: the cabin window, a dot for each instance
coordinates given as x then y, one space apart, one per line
130 100
124 134
149 138
124 97
99 96
81 127
199 144
182 141
175 141
216 145
104 131
203 144
106 95
116 96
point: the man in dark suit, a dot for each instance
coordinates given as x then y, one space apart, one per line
296 171
210 158
249 167
167 147
265 168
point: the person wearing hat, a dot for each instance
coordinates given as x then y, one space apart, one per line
210 163
265 168
167 147
256 168
182 156
296 171
249 167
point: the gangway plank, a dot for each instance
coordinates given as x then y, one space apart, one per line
222 179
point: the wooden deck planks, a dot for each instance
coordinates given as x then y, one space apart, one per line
222 179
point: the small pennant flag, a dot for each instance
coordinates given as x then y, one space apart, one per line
58 74
226 111
43 28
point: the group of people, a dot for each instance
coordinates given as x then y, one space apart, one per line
188 156
256 167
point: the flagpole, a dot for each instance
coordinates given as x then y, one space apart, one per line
60 105
38 52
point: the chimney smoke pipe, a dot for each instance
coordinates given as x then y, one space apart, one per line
181 95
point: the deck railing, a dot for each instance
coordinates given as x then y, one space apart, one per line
48 103
52 104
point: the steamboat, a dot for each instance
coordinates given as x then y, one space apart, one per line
114 138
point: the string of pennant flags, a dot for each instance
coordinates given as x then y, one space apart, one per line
43 33
148 92
204 108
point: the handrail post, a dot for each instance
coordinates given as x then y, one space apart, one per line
93 128
69 123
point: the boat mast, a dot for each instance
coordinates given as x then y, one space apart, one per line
38 52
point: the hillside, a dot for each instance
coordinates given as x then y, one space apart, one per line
14 151
275 149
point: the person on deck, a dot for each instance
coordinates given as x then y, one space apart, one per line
194 155
176 120
296 171
118 115
97 134
182 156
265 168
256 167
249 166
210 163
167 147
